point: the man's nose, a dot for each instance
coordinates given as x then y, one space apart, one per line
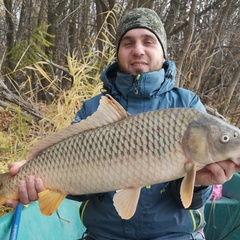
138 49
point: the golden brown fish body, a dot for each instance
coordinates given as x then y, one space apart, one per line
111 151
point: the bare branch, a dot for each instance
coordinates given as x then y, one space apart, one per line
8 96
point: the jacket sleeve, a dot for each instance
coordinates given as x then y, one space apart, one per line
196 103
200 195
88 108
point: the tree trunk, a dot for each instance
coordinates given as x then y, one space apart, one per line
188 34
9 66
230 90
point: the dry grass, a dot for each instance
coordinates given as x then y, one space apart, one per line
18 133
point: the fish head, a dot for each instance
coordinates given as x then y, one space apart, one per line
209 139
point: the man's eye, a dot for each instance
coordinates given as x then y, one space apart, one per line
127 44
148 42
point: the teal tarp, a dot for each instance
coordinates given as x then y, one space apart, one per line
223 216
33 225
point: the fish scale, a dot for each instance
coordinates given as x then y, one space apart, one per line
126 152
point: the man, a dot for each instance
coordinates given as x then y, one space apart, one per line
142 80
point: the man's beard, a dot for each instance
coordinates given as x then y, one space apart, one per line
139 71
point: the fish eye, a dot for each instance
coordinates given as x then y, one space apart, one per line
225 138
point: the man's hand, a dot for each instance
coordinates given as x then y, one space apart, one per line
28 190
216 173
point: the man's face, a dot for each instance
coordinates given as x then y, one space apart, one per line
140 51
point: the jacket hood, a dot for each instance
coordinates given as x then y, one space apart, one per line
143 85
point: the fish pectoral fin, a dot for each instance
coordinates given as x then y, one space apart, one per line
187 185
125 201
49 201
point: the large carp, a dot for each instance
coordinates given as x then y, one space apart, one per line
113 151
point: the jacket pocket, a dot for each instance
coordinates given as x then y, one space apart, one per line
197 217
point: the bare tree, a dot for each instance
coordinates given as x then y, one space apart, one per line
9 34
187 35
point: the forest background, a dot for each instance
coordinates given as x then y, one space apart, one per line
52 53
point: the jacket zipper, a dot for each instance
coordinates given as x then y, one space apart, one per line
136 83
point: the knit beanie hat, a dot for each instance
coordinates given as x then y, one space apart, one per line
142 18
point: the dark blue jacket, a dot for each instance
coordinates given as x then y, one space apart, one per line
159 214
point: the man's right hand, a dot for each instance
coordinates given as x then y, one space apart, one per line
28 189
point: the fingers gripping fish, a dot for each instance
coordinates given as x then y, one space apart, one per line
113 151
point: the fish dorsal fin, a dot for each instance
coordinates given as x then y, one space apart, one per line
108 111
49 201
125 202
187 185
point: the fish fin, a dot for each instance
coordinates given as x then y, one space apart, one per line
49 201
125 201
108 111
187 185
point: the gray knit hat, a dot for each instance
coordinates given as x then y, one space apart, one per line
142 18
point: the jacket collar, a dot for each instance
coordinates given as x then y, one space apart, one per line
144 85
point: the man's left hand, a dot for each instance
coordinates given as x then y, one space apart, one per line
216 173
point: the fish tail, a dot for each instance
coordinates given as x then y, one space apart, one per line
2 194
